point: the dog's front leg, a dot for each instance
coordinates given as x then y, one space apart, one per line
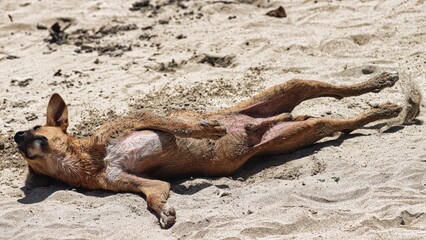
156 193
185 127
196 128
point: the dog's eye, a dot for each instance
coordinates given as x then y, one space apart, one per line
36 127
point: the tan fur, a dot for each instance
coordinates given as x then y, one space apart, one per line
131 153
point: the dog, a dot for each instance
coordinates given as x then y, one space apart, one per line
137 153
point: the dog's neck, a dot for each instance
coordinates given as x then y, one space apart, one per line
89 148
83 159
81 163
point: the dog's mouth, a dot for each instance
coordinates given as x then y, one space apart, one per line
29 144
23 151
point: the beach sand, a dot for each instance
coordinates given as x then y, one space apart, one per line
204 56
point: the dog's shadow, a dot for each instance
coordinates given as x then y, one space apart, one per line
35 195
258 164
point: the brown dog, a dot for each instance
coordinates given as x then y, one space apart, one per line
130 154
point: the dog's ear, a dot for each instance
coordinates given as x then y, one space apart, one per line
57 113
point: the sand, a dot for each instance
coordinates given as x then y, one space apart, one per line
204 56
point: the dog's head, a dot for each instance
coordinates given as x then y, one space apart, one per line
42 144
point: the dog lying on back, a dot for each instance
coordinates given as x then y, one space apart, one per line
136 153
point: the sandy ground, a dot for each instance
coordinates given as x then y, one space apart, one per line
206 55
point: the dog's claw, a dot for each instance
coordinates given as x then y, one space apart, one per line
167 217
211 129
387 110
250 127
384 80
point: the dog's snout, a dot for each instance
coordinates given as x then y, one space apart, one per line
20 136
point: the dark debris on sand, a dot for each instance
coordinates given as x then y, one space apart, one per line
216 61
140 4
89 40
57 34
278 13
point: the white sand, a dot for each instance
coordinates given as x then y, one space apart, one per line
362 186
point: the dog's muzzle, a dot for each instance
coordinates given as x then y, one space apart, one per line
25 139
20 137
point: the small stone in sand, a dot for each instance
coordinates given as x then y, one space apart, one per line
180 36
336 179
41 26
368 69
279 12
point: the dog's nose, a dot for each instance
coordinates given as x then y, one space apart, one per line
19 136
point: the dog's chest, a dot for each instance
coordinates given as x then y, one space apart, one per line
137 147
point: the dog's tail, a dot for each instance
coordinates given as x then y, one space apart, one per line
412 102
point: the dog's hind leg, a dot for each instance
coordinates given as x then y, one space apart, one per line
156 193
285 97
290 136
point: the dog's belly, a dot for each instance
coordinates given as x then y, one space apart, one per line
162 155
139 151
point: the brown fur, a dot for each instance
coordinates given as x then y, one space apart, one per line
131 153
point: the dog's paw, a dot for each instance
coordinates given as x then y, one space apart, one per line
387 110
167 217
250 127
212 129
384 80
